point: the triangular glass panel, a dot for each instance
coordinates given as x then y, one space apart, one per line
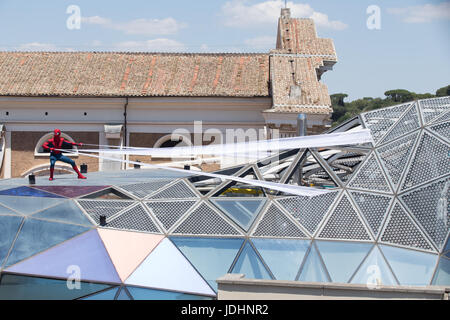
395 156
430 206
370 177
342 258
28 205
70 191
9 226
373 207
290 251
169 212
375 271
411 267
67 212
142 190
151 294
442 274
84 256
205 221
275 223
123 295
442 130
16 287
179 190
380 121
249 264
135 219
313 269
118 244
38 235
429 162
97 208
344 223
409 122
4 211
433 108
104 295
166 268
401 230
309 211
220 252
27 192
242 211
107 194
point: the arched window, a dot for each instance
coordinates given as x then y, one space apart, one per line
40 152
170 141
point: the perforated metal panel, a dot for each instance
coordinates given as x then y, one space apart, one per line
373 207
275 223
380 121
108 208
430 161
179 190
142 190
442 129
443 118
401 230
370 177
344 223
433 108
309 212
395 155
136 219
169 212
205 221
430 206
408 123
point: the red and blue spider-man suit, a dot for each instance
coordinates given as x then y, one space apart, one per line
60 143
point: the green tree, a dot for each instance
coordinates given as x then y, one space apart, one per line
400 95
443 92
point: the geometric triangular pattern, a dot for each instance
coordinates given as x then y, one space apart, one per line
108 294
313 269
179 190
9 225
373 207
135 219
142 190
169 212
370 177
250 264
107 208
71 191
433 108
28 192
380 121
344 223
445 117
430 161
67 212
128 249
275 223
167 269
442 129
409 122
29 205
395 156
205 221
83 257
430 206
401 230
309 211
4 211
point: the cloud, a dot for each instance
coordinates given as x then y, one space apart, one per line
154 45
39 46
138 26
423 13
264 42
237 13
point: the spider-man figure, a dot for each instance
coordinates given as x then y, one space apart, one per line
60 143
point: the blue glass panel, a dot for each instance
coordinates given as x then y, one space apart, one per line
342 258
447 248
313 269
243 212
149 294
6 211
211 257
410 267
67 212
9 225
283 256
374 271
250 265
442 276
37 235
109 294
27 192
123 295
28 205
14 287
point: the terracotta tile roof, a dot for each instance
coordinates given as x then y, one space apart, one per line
133 74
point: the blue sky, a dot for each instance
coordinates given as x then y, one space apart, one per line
410 50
